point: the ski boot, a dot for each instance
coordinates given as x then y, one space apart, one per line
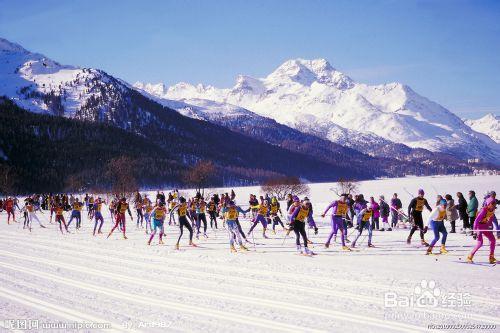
299 249
443 250
265 236
274 231
233 249
149 242
353 245
424 243
371 245
492 259
382 229
347 240
125 237
309 241
327 245
429 250
308 252
205 235
192 244
390 229
346 248
469 259
408 240
243 247
160 242
109 235
335 238
176 246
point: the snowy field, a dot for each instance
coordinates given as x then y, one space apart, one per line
47 277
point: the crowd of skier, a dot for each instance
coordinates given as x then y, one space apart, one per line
221 211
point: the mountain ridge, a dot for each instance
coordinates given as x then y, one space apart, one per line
312 93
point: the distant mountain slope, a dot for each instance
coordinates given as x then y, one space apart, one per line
488 125
403 160
314 97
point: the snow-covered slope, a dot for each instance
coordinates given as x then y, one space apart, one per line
489 125
40 84
235 117
314 97
134 287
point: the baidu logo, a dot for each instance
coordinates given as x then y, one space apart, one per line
427 294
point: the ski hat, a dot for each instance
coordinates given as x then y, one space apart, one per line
382 197
490 201
296 198
274 200
421 192
443 202
182 199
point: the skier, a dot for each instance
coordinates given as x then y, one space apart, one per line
76 213
9 208
230 213
297 224
261 216
138 208
436 223
483 225
158 214
148 208
339 212
312 224
182 211
493 195
201 206
212 212
364 217
120 210
59 210
415 210
275 209
98 215
31 209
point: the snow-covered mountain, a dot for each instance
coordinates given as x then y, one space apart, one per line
314 97
41 85
489 125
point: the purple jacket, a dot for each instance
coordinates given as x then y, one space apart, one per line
479 218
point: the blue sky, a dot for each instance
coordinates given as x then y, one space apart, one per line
447 50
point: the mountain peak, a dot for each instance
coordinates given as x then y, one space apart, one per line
8 46
306 72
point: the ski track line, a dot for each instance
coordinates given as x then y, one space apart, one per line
295 276
221 315
224 296
56 310
253 282
37 287
231 269
266 273
251 299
